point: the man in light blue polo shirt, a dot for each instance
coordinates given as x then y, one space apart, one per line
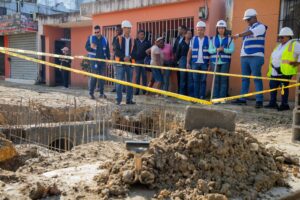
252 55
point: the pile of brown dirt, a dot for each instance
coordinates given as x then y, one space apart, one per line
7 150
201 164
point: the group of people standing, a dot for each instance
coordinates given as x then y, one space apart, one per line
198 52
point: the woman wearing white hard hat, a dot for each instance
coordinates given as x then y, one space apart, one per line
252 55
221 47
283 64
198 54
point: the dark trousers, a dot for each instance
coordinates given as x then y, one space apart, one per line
140 72
65 76
276 84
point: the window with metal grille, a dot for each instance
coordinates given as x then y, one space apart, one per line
166 28
110 32
289 16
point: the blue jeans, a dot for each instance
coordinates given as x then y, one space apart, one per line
140 71
221 82
276 84
157 76
186 86
199 80
121 71
97 68
251 65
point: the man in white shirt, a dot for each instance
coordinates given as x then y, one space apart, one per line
252 55
283 64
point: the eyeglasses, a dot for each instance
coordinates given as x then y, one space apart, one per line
96 32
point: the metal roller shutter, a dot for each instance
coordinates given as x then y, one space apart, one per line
22 69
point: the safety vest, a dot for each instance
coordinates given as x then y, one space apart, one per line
93 39
287 57
225 57
255 44
195 49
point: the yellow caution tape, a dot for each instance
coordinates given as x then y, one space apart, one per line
282 90
36 53
171 94
144 65
252 94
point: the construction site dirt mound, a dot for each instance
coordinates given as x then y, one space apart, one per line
201 164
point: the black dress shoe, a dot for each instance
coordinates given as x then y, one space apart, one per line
239 102
130 103
283 107
92 96
259 104
103 96
271 106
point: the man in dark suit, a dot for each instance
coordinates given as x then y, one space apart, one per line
181 32
141 44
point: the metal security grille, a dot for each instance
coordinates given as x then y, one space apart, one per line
167 28
289 15
109 33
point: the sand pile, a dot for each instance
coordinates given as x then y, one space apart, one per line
201 164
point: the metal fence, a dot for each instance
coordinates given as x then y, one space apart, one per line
62 128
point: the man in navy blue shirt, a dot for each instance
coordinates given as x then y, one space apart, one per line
98 47
141 44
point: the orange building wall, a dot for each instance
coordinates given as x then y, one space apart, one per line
268 13
51 34
78 39
189 8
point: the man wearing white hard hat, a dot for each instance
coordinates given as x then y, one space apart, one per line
252 55
283 64
221 47
199 57
123 49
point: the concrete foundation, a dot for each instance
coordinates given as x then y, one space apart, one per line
200 117
60 136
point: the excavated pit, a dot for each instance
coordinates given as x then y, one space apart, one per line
62 128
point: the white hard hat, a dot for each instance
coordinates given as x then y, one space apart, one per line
286 31
249 13
126 24
221 23
201 24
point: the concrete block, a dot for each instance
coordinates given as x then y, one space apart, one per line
200 117
296 134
